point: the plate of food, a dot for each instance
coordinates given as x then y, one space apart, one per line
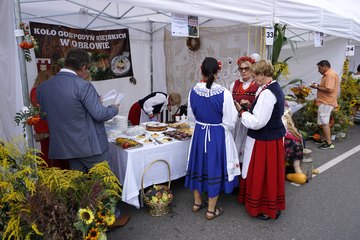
147 140
178 135
165 139
156 135
156 127
120 65
127 143
140 137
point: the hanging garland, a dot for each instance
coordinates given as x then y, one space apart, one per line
193 43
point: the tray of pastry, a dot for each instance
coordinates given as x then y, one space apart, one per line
178 125
178 135
127 143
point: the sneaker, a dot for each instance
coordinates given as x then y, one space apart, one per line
327 146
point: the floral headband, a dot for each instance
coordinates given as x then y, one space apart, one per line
245 58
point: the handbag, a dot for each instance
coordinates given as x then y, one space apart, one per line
40 136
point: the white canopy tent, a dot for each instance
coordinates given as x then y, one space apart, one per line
333 17
146 20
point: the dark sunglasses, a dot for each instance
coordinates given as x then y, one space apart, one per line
243 69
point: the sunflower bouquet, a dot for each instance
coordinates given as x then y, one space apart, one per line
94 221
97 206
301 91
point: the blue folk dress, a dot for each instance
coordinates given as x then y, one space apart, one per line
213 162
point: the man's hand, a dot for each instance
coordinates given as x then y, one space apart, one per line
314 85
117 105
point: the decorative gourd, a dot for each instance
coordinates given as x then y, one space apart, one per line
299 178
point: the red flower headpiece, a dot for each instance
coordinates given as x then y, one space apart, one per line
245 58
220 65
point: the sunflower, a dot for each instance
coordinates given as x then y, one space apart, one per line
110 220
86 215
101 214
353 102
93 234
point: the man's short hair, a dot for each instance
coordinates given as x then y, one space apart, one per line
76 58
324 63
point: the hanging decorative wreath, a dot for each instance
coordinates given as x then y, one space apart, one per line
193 43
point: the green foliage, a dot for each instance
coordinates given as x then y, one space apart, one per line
43 203
281 67
306 118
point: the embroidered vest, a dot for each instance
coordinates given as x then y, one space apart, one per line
274 129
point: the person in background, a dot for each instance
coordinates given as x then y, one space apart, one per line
326 100
263 169
41 128
243 91
293 142
76 116
213 162
357 74
149 108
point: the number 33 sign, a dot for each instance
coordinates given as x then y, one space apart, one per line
269 36
350 50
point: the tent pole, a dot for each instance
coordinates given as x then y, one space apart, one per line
23 75
151 57
269 49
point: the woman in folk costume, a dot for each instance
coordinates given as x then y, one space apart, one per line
243 90
263 190
213 162
149 108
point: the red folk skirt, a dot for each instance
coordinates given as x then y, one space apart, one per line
263 190
134 114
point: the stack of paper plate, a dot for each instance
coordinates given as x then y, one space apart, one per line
120 123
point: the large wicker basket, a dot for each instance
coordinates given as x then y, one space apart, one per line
156 209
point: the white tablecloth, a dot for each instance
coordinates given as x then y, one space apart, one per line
129 166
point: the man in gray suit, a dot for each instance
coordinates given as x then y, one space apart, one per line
75 114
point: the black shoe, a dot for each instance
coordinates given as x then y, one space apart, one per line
263 217
278 214
327 146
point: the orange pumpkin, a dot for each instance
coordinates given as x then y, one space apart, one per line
316 137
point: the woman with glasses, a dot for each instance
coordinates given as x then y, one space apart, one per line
243 91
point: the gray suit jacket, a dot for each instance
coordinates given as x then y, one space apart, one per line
75 116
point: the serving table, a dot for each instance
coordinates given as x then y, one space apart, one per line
129 165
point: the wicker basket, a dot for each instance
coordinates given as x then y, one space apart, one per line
156 209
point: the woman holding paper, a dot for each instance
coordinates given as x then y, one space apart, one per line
148 108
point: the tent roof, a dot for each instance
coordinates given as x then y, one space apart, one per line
336 17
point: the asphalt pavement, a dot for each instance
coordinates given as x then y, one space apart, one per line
327 207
